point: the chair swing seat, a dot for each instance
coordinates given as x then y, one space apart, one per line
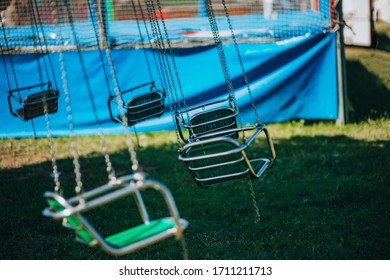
33 105
124 242
141 107
222 159
141 232
121 239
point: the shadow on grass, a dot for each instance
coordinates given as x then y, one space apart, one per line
367 95
325 198
382 42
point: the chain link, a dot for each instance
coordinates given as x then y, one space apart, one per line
240 61
74 148
129 141
142 41
222 57
255 207
56 173
163 61
150 43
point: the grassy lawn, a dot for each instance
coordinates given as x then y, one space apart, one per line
327 197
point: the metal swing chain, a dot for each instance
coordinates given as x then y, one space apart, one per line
5 67
162 48
176 70
100 49
34 28
56 173
129 141
98 33
172 57
163 61
38 22
177 99
150 42
142 41
255 207
240 61
11 62
158 46
74 148
109 168
221 55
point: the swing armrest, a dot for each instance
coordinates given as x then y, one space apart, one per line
270 146
180 121
113 100
10 104
262 128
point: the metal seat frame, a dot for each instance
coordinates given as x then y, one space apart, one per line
122 187
246 164
33 104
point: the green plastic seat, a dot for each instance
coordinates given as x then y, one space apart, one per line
140 232
120 239
72 222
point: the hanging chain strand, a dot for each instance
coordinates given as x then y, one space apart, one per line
255 207
163 61
150 43
183 100
142 41
56 174
222 57
74 148
129 141
109 167
241 62
11 63
172 56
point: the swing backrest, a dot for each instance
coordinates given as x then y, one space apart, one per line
211 121
72 222
33 104
145 106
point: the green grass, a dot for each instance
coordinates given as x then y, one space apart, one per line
327 197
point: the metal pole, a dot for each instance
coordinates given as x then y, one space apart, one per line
342 117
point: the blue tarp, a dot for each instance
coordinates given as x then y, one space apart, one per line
290 79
